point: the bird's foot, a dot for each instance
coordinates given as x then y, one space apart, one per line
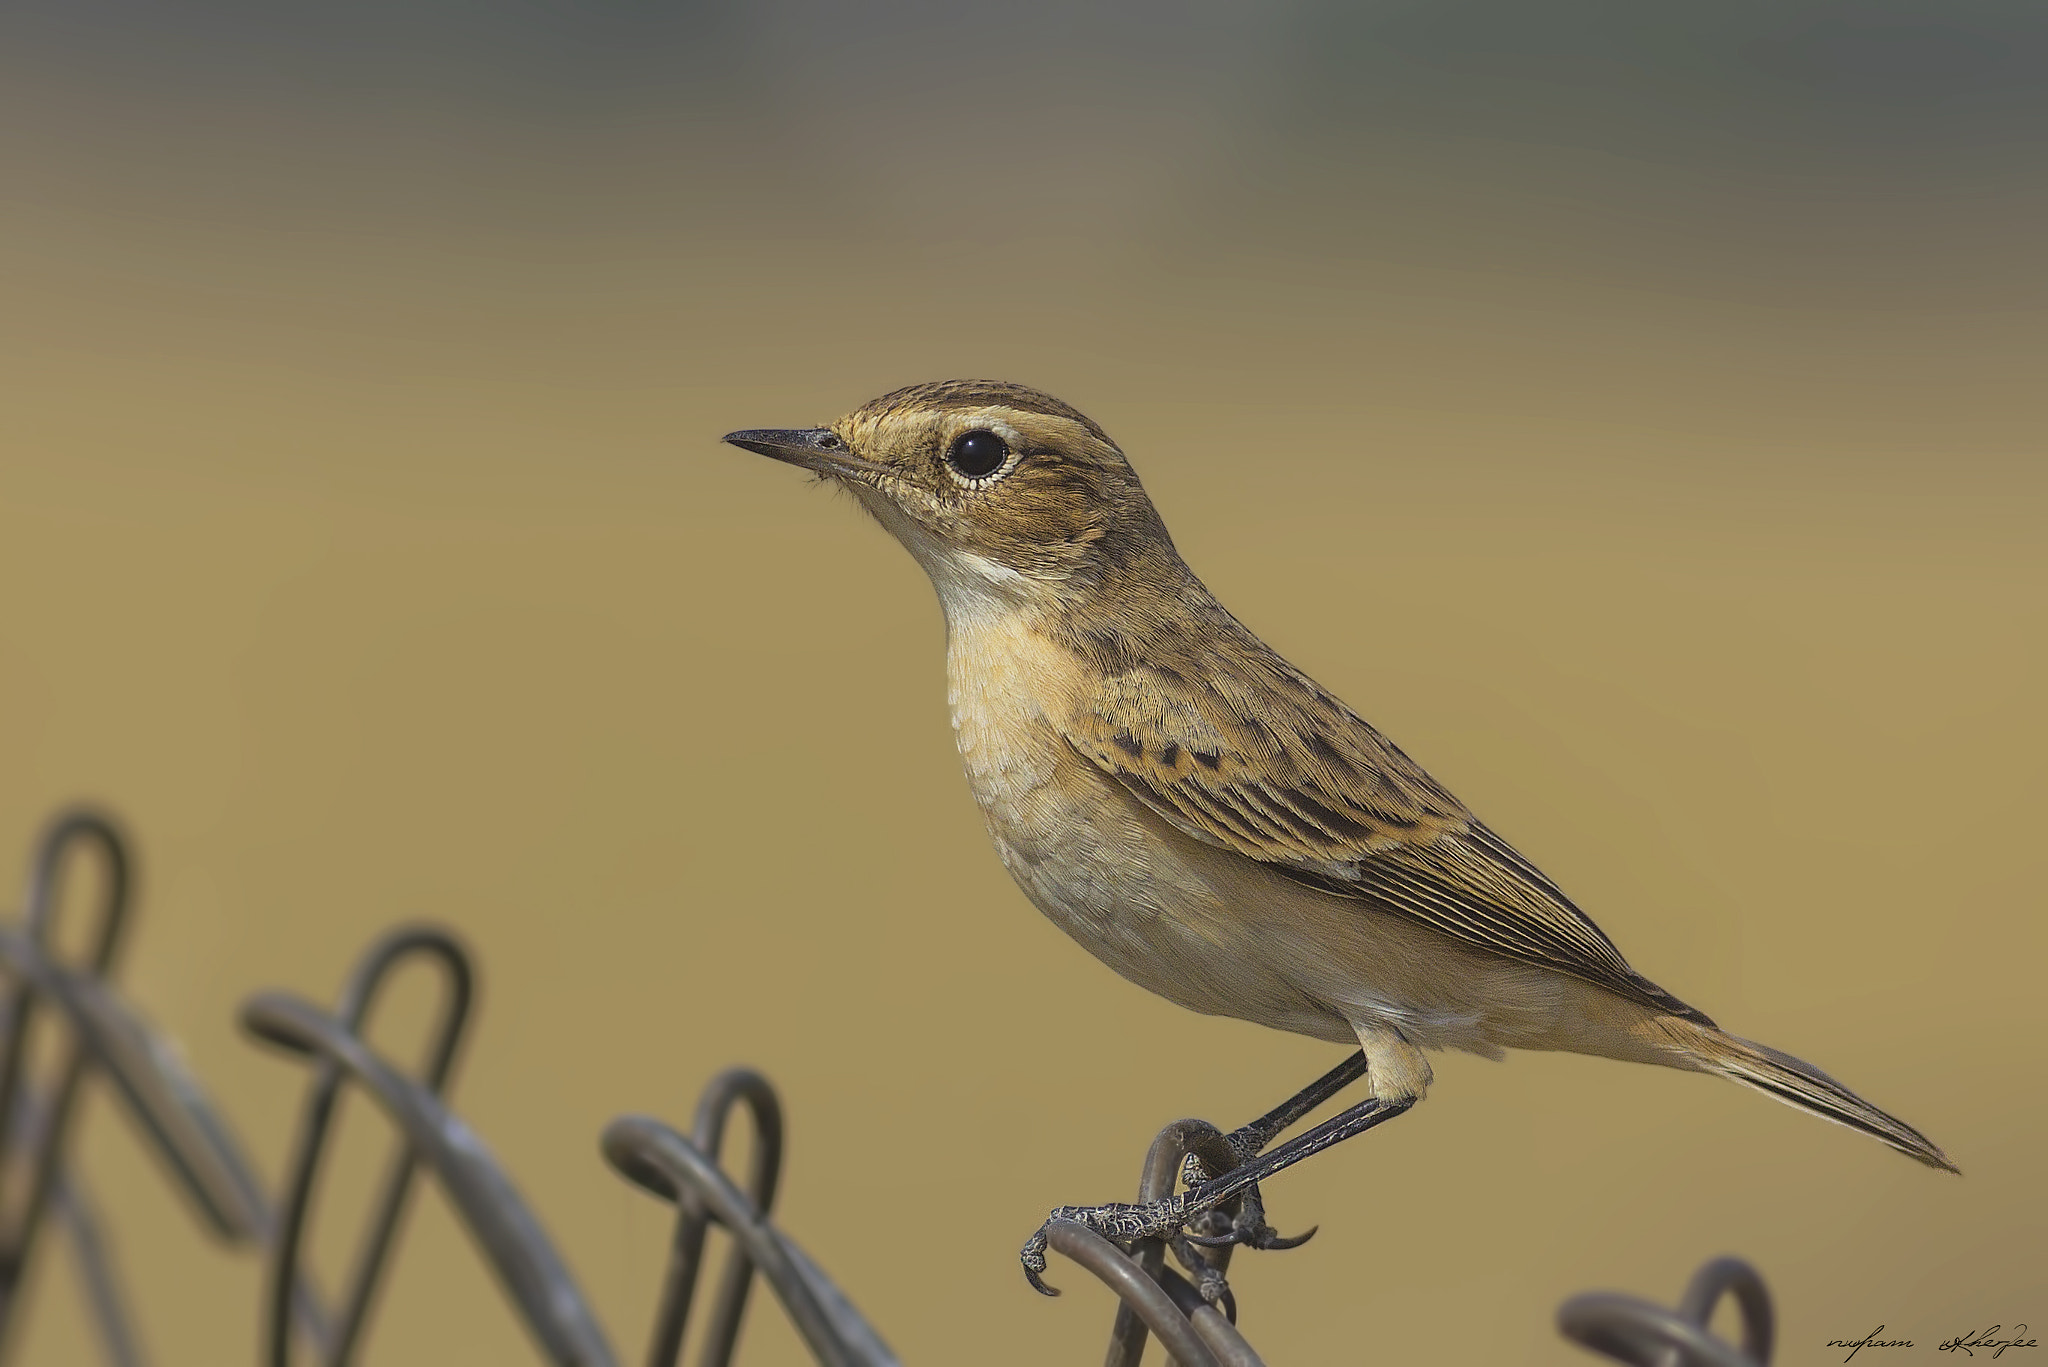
1123 1223
1186 1223
1244 1224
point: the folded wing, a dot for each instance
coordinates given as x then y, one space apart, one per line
1244 752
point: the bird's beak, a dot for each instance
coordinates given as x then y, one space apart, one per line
817 449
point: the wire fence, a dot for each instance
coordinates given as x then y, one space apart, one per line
99 1036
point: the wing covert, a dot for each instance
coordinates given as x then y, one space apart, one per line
1254 757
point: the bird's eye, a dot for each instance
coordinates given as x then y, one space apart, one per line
977 454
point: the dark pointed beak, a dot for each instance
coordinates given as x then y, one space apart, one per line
817 449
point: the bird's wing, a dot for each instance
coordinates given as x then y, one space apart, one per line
1246 753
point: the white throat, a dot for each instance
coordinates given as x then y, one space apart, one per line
975 591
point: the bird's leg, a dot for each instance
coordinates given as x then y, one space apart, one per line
1249 1142
1247 1223
1250 1227
1126 1222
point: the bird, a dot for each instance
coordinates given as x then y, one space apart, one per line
1213 824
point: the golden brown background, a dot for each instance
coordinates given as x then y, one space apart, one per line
1636 410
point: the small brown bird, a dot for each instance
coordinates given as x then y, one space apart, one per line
1211 823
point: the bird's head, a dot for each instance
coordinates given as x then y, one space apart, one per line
996 489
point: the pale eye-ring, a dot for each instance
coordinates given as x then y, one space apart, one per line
977 454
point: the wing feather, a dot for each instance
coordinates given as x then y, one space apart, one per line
1245 753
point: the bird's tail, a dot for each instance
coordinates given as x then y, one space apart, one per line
1798 1083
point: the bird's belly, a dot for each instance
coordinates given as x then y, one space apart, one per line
1206 928
1072 841
1131 903
1088 857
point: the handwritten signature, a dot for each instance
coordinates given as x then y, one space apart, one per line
1869 1340
1988 1338
1966 1344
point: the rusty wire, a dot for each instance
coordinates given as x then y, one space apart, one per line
101 1035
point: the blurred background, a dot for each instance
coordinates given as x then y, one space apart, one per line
1635 410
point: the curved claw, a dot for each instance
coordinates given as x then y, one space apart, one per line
1033 1258
1296 1242
1216 1240
1260 1239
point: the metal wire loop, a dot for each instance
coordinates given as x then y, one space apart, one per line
166 1104
1163 1165
657 1159
513 1243
1734 1276
103 1034
75 827
1629 1329
679 1286
1140 1294
79 826
290 1298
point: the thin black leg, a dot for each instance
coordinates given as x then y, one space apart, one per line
1250 1141
1335 1130
1301 1103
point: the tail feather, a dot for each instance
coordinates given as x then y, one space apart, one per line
1798 1083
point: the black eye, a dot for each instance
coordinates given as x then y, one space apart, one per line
978 454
